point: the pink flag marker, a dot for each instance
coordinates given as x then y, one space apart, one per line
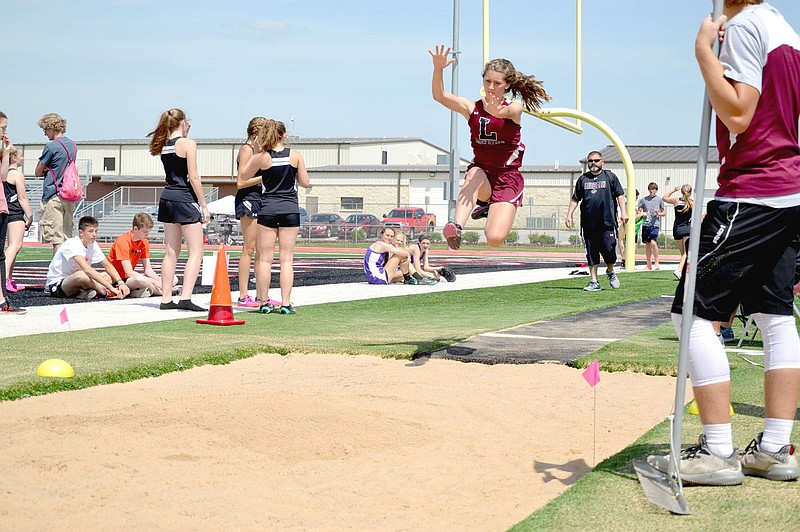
592 373
63 316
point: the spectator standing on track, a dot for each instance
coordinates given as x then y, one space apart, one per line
653 208
599 192
493 181
71 274
382 259
281 170
20 216
5 145
56 223
247 205
182 207
748 243
683 221
130 248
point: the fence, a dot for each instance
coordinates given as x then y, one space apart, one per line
538 225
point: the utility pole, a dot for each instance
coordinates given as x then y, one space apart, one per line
455 167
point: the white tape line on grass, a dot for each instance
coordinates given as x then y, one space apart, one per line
531 337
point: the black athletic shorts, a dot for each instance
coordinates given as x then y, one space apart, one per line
55 290
16 217
747 255
279 220
599 242
681 230
179 212
248 207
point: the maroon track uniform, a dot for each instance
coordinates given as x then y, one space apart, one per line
497 147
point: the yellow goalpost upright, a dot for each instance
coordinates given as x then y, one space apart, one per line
555 115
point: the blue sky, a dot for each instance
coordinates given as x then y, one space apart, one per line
346 68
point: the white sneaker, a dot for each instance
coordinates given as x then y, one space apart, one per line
612 279
86 294
141 292
774 466
700 466
593 286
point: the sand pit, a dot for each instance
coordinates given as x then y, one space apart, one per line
315 442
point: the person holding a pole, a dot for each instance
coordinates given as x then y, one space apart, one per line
747 244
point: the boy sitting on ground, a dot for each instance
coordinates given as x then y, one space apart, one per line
71 274
130 248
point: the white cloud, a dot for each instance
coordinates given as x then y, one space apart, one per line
272 26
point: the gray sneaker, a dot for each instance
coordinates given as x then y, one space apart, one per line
593 286
774 466
141 292
86 294
701 466
612 279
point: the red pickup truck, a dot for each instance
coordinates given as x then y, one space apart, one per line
411 220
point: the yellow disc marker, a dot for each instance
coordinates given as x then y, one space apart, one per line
55 367
696 412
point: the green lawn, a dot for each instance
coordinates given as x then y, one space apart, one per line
608 498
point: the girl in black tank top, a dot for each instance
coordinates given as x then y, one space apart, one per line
19 216
683 218
248 205
177 175
182 207
281 170
278 184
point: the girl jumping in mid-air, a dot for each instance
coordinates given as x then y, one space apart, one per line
493 180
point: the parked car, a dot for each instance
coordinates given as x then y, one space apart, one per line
370 223
412 220
321 225
303 216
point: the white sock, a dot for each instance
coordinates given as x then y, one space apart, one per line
719 439
777 433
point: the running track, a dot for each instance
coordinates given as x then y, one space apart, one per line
317 270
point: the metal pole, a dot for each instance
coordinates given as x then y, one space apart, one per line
691 274
455 167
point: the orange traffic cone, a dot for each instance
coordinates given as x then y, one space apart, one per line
221 310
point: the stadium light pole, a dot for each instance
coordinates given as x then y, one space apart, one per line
455 167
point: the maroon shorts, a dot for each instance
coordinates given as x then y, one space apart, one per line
507 185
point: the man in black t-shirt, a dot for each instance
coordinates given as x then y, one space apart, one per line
599 192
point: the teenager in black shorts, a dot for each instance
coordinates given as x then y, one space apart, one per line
182 207
281 169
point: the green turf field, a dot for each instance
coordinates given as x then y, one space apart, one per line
609 498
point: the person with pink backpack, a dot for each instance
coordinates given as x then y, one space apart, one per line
57 166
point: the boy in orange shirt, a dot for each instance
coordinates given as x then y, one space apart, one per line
128 250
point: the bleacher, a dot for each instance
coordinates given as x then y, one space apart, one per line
118 221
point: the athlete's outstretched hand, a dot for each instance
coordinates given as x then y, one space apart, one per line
441 58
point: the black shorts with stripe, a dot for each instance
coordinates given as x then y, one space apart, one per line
248 207
747 255
179 212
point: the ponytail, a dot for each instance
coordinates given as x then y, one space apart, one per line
167 123
271 133
255 124
527 88
686 192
